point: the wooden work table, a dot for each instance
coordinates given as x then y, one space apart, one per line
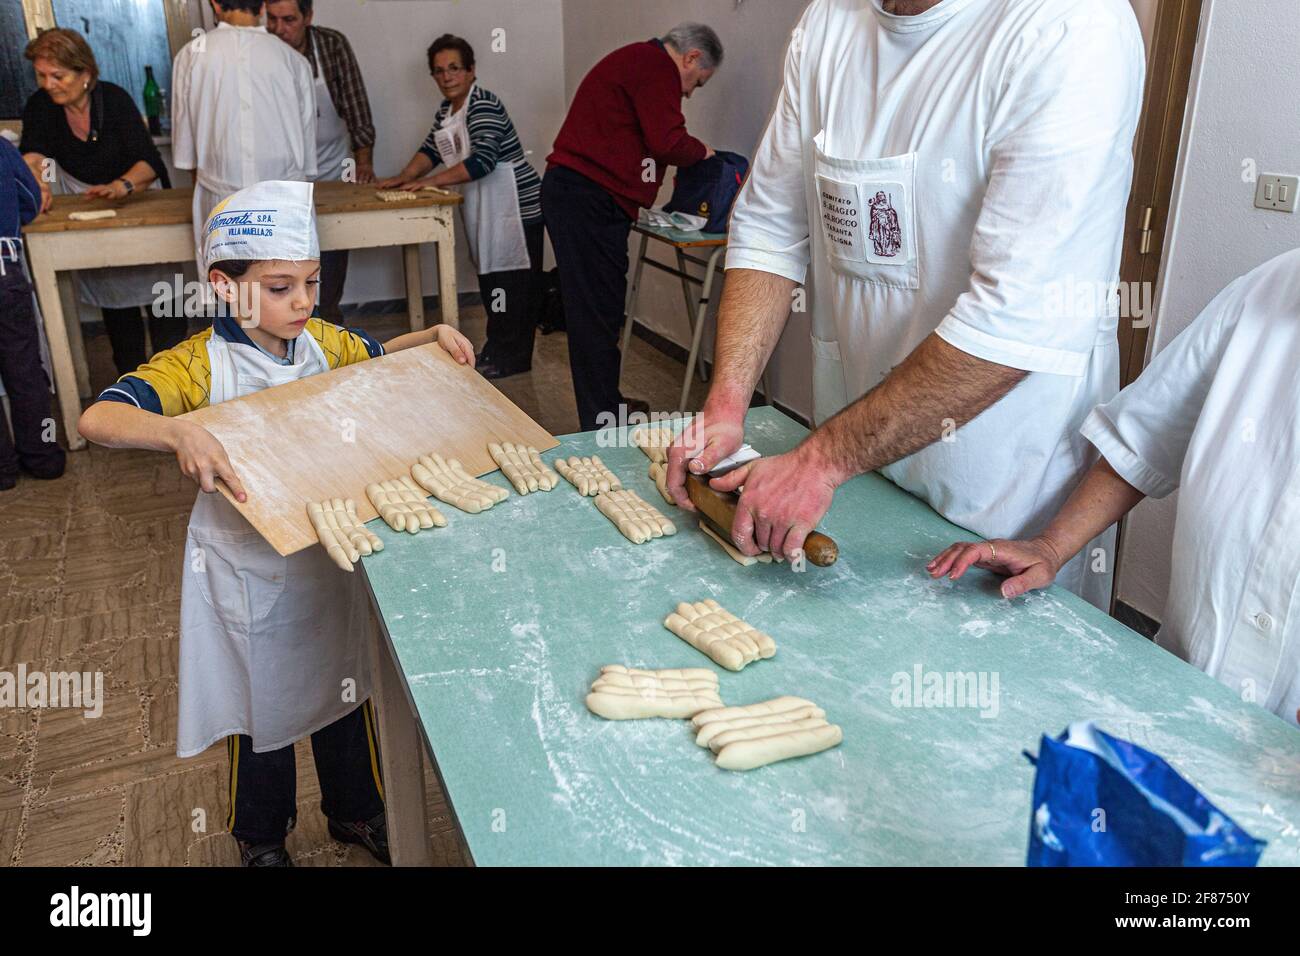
154 227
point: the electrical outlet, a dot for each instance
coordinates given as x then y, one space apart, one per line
1277 192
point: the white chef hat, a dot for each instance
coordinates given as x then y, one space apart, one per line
268 220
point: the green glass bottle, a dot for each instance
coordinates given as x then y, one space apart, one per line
152 102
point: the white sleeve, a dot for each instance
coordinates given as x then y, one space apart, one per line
184 153
1145 430
307 104
1045 253
769 222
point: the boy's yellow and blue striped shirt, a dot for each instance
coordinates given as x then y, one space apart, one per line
179 379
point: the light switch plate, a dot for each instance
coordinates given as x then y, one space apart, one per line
1277 192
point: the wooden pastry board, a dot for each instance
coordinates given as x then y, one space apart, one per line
330 435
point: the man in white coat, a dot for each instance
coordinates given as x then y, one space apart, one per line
954 172
243 109
1214 416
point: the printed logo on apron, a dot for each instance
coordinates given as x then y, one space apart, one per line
451 144
868 216
884 232
865 230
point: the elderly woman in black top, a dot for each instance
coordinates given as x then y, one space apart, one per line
94 135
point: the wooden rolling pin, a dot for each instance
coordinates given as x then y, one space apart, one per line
718 509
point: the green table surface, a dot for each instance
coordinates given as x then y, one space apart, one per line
501 621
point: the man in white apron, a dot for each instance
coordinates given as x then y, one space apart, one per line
956 174
475 142
243 110
345 132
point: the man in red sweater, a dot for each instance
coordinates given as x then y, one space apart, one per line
624 127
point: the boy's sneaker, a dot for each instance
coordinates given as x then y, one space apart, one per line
372 834
264 854
8 482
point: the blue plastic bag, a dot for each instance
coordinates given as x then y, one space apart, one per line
1102 801
709 189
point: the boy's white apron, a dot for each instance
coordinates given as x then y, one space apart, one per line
271 647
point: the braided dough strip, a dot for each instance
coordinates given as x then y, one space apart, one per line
523 467
711 629
635 519
691 679
709 730
340 532
659 475
622 693
588 475
777 706
749 754
654 441
403 506
396 195
758 734
90 215
448 481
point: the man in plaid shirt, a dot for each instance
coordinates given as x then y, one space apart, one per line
342 120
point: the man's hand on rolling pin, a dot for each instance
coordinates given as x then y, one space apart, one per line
703 443
203 459
784 498
1030 565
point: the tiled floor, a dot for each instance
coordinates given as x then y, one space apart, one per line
90 581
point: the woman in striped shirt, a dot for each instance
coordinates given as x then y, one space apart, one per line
473 146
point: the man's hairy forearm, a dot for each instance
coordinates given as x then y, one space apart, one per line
754 309
936 388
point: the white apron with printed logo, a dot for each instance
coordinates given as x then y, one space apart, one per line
494 227
272 647
957 166
868 208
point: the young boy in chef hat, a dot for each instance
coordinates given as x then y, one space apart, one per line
269 645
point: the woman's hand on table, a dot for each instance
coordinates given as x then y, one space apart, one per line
417 184
47 197
1029 565
203 459
113 190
